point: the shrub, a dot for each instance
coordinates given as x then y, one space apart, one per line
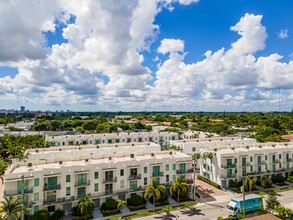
57 215
279 178
111 204
220 218
162 201
233 183
290 179
82 217
41 214
209 181
240 216
135 200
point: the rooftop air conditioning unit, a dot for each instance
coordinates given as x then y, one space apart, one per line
247 147
148 143
131 155
97 146
233 148
110 158
152 154
60 162
215 149
86 160
29 164
60 149
273 145
116 145
37 151
170 152
79 148
132 144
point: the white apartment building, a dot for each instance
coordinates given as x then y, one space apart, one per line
191 146
57 177
161 138
256 160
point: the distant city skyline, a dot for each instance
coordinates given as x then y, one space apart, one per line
166 55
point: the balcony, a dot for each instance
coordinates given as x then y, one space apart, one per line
60 200
17 192
276 161
261 162
158 174
49 202
233 176
28 205
50 188
110 180
82 183
189 181
135 177
245 164
233 165
185 171
109 192
290 159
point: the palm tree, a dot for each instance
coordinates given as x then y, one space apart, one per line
195 158
12 207
249 183
121 205
86 206
156 190
266 182
180 187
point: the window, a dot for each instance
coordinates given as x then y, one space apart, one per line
96 175
229 172
174 166
287 165
167 167
51 208
236 171
167 178
174 178
266 157
204 166
280 156
235 160
259 168
280 165
109 141
133 184
36 208
36 182
121 184
68 191
67 178
251 168
193 149
250 159
145 181
96 187
82 178
122 172
145 169
117 140
266 166
36 196
81 192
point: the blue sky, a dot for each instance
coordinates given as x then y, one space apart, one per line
107 59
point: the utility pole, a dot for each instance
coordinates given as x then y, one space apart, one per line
244 198
22 193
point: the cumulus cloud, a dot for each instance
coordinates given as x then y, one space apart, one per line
283 34
170 46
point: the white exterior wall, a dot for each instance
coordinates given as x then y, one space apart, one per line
42 169
253 167
162 138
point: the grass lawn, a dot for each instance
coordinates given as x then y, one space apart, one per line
276 190
235 189
281 184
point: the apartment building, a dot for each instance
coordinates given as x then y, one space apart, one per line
161 138
237 162
58 177
191 146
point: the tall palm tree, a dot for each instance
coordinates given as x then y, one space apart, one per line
156 190
249 183
121 205
12 207
266 182
86 206
180 187
195 158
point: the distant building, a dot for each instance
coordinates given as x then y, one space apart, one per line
22 108
21 125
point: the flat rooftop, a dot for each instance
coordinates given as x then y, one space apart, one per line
108 134
195 140
109 159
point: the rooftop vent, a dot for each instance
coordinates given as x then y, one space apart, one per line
66 136
184 141
232 139
60 149
221 139
210 140
285 144
247 147
52 137
233 148
170 152
98 146
148 143
79 148
86 160
260 146
131 155
60 162
37 151
152 154
132 144
215 149
92 135
242 138
273 145
110 158
197 140
29 164
116 145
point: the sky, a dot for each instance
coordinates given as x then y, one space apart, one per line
154 55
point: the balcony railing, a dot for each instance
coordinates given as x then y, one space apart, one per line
110 180
276 161
28 205
158 174
184 171
17 192
135 177
110 192
245 164
233 165
86 183
263 162
49 202
233 176
54 187
290 159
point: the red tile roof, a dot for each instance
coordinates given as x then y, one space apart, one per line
287 137
264 217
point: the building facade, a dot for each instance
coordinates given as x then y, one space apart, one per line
161 138
237 162
57 180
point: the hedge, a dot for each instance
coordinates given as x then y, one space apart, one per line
137 207
82 217
209 181
107 212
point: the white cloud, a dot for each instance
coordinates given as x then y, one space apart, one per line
283 34
170 46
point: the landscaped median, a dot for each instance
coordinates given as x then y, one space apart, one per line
183 205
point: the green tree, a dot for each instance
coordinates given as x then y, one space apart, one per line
284 213
156 190
195 157
121 205
266 182
272 201
86 206
12 207
249 183
179 188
